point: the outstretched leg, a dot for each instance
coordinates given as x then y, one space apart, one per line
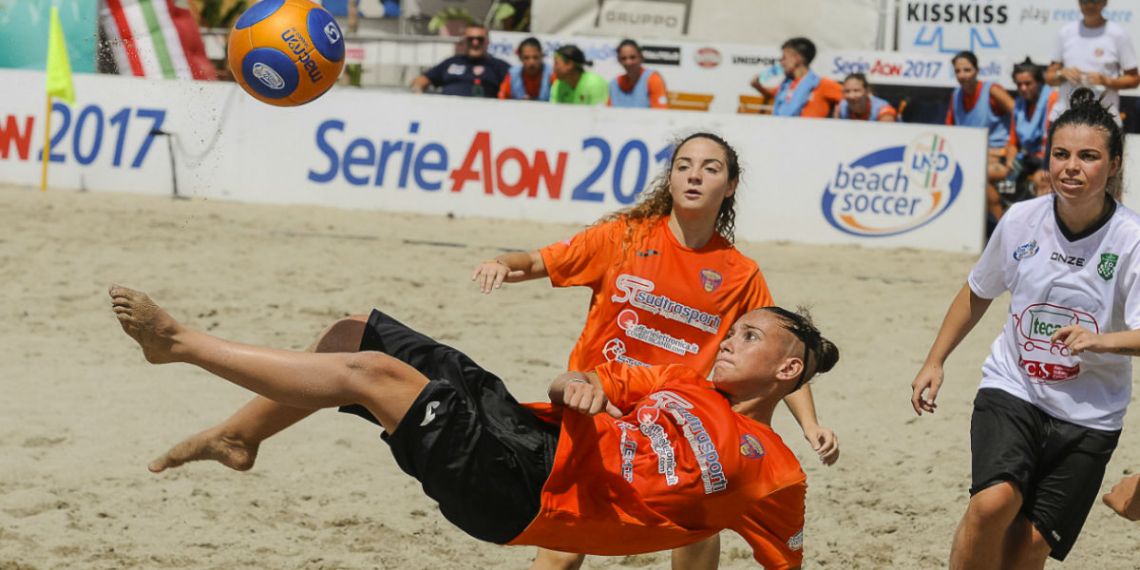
234 442
384 385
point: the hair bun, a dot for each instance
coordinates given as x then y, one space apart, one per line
828 356
1083 97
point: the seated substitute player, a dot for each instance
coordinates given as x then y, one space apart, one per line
803 93
859 104
641 459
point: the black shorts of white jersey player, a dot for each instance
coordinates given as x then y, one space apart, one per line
1058 466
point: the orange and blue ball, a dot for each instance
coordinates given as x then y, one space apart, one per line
286 52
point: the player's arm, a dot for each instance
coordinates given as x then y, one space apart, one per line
964 312
420 83
888 114
1129 80
822 440
511 267
1058 74
1001 97
765 91
581 392
1079 339
1124 498
658 95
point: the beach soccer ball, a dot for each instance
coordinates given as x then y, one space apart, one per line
286 52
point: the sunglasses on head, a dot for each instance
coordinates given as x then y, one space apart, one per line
475 39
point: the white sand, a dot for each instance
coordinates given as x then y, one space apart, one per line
81 413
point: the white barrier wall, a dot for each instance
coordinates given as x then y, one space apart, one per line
812 181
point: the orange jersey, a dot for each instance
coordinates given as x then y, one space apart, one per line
826 96
655 301
678 467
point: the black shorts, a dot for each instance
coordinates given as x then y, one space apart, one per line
480 454
1058 466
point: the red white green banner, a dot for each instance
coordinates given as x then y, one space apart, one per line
155 38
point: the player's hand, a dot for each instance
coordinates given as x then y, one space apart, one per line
1071 74
586 398
924 389
490 275
1079 339
1094 78
1123 498
824 442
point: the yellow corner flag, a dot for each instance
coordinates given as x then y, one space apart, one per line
58 85
58 66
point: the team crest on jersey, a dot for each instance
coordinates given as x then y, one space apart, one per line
751 447
711 280
1107 266
1025 250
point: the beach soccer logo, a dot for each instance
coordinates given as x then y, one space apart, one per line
893 190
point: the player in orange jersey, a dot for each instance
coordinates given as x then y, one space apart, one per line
638 87
642 459
802 93
666 284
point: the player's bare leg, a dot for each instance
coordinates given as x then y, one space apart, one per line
703 555
1025 547
382 384
234 442
555 560
979 542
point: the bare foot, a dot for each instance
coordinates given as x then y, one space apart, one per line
153 328
210 445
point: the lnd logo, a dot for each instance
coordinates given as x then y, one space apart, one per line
893 190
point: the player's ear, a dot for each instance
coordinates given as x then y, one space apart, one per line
731 188
790 369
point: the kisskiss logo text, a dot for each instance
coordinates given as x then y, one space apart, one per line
893 190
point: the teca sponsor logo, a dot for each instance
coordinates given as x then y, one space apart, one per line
893 190
301 48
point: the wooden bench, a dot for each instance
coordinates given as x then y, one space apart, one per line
754 105
689 101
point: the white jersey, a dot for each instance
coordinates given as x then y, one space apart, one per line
1055 280
1106 50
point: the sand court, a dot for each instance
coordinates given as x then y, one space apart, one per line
82 414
